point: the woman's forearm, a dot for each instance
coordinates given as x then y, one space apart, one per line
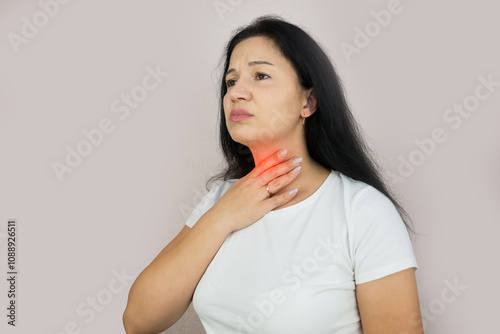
164 289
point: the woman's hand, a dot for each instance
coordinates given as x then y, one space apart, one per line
247 199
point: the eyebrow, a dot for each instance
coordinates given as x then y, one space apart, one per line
252 63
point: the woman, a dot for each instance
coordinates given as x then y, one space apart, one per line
258 256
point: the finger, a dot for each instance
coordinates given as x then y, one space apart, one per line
266 164
280 199
276 184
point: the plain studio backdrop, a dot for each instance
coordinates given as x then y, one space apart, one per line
99 184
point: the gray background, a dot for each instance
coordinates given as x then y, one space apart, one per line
132 194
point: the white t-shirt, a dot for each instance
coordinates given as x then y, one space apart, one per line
295 269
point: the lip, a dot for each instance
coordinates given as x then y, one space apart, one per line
237 118
237 112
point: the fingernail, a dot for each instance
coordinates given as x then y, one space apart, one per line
282 153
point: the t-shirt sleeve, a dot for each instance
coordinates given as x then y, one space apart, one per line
203 206
380 243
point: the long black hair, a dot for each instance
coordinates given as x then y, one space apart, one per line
333 137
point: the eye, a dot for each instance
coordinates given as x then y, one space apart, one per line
257 75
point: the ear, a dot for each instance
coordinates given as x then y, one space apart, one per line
311 104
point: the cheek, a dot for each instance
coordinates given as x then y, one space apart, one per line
225 103
286 103
286 96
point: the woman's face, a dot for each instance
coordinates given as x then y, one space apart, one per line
269 90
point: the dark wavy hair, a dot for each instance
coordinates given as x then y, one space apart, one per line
333 137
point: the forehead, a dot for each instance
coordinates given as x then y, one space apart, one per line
256 48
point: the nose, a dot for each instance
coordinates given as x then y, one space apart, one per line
239 91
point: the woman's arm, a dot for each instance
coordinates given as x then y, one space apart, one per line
163 291
390 305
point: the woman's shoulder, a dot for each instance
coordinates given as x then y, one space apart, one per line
351 188
219 189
